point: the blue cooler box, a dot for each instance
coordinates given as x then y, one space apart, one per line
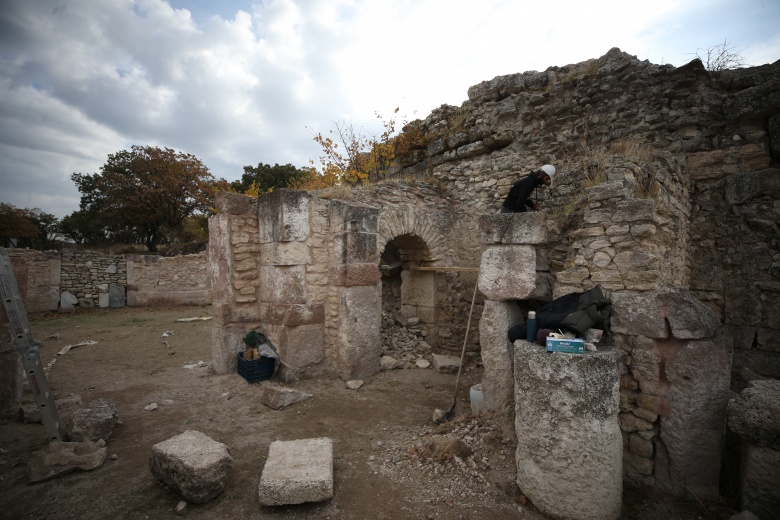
572 346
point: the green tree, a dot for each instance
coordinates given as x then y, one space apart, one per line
15 223
145 192
264 178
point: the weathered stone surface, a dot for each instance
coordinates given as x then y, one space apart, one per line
283 216
302 345
446 364
388 363
283 284
692 426
297 472
67 300
233 203
285 253
743 187
355 248
359 345
352 275
93 422
637 314
278 397
527 228
192 464
760 473
58 458
116 296
688 317
755 414
569 445
507 272
498 383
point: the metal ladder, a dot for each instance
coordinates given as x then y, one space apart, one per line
29 349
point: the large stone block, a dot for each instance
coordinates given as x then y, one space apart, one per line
688 317
283 284
93 422
637 314
569 444
694 417
233 203
755 414
297 472
498 384
352 217
507 272
302 345
715 164
227 340
355 248
292 315
192 464
759 475
513 228
359 346
219 265
285 253
352 275
418 288
283 216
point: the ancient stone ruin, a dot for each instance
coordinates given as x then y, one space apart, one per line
667 197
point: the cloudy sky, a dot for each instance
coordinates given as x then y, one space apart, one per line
241 82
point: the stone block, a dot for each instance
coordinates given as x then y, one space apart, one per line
227 340
283 216
507 272
283 284
233 203
220 261
116 296
569 445
688 317
718 163
302 345
496 351
359 346
744 187
637 314
755 414
355 248
278 397
529 228
58 458
695 415
418 288
93 422
759 475
297 471
290 315
354 275
352 217
192 464
285 253
446 364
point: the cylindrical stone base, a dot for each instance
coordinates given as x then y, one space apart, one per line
569 446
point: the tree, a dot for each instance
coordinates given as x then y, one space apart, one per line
264 178
16 224
142 192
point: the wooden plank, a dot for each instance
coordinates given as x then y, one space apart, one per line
460 269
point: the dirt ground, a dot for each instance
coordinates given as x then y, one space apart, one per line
390 460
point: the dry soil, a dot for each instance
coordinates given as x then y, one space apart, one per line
390 460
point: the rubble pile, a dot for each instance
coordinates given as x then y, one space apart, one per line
403 340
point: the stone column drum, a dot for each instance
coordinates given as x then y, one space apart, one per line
569 446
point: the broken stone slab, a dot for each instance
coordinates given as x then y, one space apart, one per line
755 414
192 464
387 363
58 458
93 422
354 384
278 397
446 364
297 471
116 296
68 300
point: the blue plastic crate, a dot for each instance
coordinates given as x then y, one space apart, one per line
256 369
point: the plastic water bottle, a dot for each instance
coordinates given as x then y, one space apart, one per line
531 327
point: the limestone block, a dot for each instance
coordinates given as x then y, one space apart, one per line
227 340
233 203
496 351
693 424
446 364
302 345
103 300
759 474
355 248
352 275
283 216
743 303
755 414
285 253
637 314
513 228
569 445
93 422
714 164
352 217
192 464
507 272
116 296
297 471
278 397
291 315
58 458
359 346
418 288
688 317
220 260
543 289
283 284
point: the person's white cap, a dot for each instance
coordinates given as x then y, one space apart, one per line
549 169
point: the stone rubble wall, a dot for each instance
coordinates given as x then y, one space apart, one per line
176 280
86 274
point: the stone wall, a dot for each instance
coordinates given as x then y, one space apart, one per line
87 274
177 280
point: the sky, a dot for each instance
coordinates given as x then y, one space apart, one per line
237 83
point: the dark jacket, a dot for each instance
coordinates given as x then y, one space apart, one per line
518 199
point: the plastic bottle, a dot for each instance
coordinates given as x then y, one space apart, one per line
531 327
